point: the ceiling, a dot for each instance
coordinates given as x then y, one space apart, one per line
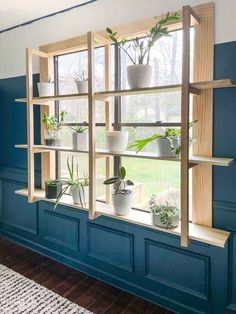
16 12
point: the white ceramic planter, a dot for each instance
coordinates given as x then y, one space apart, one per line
75 195
164 148
82 86
116 141
139 75
122 203
45 89
156 220
80 141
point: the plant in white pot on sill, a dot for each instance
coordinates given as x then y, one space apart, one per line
46 88
163 215
52 133
81 82
116 141
80 137
140 72
75 185
121 195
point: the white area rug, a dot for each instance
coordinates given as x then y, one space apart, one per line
19 295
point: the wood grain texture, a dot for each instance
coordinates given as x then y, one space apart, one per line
79 288
203 113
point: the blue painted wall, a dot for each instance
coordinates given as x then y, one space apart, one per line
200 279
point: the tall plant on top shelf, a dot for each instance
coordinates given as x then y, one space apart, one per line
138 50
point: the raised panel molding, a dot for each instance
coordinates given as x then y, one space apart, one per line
232 274
164 264
61 230
111 246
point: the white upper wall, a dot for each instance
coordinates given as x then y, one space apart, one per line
97 16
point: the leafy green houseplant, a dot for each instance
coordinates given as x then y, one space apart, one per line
75 185
52 136
81 81
80 137
53 188
121 195
163 215
138 50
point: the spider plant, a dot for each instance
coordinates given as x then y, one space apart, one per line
79 128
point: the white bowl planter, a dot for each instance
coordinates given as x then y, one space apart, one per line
82 86
80 141
156 220
122 202
139 75
164 148
45 89
116 141
76 191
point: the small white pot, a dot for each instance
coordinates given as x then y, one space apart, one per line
82 86
116 141
46 89
164 148
122 203
156 220
139 75
75 195
80 141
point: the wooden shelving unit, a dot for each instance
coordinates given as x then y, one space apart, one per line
201 88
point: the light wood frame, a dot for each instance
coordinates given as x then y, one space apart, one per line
202 17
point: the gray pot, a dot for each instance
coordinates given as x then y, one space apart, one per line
164 148
80 141
122 203
156 220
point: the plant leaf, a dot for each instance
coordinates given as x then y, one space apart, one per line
122 173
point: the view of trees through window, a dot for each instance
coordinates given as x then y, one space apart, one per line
150 176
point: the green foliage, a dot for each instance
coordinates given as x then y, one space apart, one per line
52 182
119 181
140 144
74 181
166 212
79 128
139 50
51 123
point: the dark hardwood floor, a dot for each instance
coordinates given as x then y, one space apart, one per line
92 294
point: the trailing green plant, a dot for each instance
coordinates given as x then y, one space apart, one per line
119 182
139 49
52 123
52 182
73 181
79 128
170 133
166 212
81 77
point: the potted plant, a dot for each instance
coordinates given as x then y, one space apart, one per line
138 51
168 145
121 196
53 188
77 186
46 88
52 134
163 215
116 141
81 83
80 137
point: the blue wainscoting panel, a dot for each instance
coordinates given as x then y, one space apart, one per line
16 211
232 275
165 265
58 230
110 246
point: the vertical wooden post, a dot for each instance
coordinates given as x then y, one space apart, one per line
185 128
107 118
48 159
92 127
30 124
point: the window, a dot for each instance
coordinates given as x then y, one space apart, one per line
140 115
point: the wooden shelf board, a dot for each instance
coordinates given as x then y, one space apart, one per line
214 84
203 234
43 100
214 161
